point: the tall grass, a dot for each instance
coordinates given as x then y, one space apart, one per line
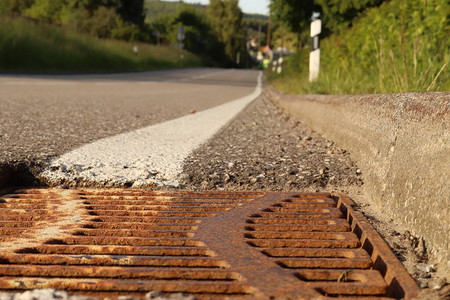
402 46
29 47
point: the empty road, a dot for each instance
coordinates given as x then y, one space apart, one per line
43 117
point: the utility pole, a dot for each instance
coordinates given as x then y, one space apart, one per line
259 37
268 32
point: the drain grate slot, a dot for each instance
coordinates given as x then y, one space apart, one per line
119 250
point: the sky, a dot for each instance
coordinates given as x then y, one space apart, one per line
247 6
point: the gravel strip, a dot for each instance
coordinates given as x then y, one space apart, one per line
263 149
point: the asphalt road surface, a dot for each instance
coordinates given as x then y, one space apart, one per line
43 117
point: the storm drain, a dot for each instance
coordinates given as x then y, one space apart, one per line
108 243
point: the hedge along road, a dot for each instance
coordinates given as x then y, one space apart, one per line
44 117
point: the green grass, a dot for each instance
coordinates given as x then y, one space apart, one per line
29 47
402 46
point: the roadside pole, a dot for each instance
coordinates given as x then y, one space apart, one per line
314 56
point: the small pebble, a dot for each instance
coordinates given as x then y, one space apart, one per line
440 284
425 268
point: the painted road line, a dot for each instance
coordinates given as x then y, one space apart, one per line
151 155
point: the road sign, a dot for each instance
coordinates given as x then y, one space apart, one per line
180 34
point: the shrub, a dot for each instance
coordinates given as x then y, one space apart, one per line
401 46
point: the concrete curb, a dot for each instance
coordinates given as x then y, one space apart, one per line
402 144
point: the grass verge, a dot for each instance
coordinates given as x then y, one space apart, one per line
29 47
401 46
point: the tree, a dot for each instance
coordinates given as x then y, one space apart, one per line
296 14
132 11
338 14
335 13
226 19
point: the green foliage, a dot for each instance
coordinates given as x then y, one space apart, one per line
14 7
397 47
103 21
342 13
121 19
226 19
29 47
253 22
154 9
335 14
295 14
126 31
195 29
282 37
132 11
46 10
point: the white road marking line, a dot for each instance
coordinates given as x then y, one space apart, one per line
152 155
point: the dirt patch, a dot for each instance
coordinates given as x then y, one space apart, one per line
409 249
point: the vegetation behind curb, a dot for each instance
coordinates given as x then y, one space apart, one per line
400 46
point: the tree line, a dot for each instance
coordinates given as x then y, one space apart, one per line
335 15
217 34
117 19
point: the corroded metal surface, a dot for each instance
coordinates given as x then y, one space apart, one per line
210 244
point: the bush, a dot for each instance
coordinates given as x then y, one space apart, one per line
14 7
103 22
46 10
125 31
401 46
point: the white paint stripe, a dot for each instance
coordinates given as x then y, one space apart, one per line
153 154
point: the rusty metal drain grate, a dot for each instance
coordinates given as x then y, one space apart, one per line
209 244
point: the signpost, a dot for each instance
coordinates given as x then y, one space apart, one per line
314 56
180 36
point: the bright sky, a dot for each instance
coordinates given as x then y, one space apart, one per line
247 6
